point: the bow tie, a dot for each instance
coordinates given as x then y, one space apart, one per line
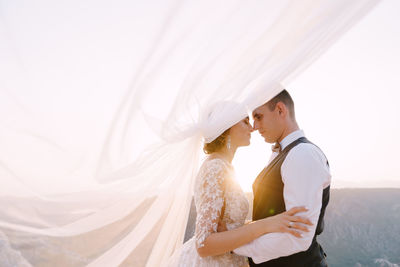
276 147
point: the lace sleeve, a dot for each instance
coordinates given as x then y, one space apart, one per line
210 200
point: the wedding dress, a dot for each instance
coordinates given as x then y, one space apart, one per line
216 193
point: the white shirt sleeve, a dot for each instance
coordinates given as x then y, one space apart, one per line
305 174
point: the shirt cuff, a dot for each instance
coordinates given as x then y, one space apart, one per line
242 251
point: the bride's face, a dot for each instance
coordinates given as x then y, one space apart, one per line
240 133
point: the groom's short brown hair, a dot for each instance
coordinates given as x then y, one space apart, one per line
286 99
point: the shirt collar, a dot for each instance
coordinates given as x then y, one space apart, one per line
293 136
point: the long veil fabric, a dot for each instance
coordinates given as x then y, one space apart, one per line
104 108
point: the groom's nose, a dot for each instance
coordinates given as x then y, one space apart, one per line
255 126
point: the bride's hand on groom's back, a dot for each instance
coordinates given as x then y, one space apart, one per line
288 222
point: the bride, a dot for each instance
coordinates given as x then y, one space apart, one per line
222 207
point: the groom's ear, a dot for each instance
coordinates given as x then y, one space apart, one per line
281 108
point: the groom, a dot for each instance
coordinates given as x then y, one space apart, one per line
297 175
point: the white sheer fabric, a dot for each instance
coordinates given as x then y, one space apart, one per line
84 87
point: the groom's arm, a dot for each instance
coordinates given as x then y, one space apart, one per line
305 174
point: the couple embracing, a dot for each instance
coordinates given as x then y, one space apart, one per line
290 197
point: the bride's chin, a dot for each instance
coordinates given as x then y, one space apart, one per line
247 144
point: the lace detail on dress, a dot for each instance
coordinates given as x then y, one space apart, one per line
214 183
209 199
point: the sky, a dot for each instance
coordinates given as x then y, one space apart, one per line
347 102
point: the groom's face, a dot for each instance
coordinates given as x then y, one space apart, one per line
268 123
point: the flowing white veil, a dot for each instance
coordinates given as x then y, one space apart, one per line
93 174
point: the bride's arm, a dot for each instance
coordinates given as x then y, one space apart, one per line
220 242
210 200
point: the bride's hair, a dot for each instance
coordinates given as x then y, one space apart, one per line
216 144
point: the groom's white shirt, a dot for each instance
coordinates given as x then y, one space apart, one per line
305 174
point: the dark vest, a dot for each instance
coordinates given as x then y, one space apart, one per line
269 201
